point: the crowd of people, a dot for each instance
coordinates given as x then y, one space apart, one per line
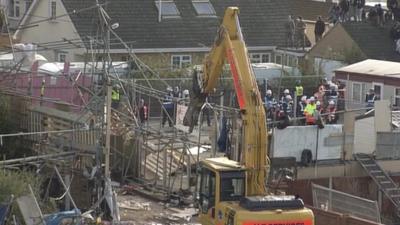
320 108
347 10
317 109
355 10
170 101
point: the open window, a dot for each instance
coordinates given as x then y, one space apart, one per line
204 8
207 190
232 185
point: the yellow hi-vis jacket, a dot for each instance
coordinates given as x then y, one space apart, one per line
310 109
115 95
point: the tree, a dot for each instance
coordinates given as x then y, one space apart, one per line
16 183
11 147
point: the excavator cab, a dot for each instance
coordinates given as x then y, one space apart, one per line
221 180
223 200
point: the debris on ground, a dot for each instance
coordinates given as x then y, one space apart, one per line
145 206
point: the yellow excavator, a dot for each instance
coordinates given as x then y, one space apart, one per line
233 193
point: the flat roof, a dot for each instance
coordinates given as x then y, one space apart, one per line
373 67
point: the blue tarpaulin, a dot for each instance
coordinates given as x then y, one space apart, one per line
4 208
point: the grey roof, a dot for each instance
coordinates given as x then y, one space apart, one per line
374 41
262 21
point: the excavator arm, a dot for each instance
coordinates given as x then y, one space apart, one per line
229 45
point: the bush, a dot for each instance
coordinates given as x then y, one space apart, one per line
16 183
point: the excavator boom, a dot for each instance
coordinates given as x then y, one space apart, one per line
229 45
233 192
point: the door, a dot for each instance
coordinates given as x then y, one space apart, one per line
207 196
378 89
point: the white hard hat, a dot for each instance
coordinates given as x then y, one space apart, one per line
331 102
312 99
269 92
318 103
304 98
169 88
286 91
288 97
185 92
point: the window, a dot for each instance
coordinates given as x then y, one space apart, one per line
180 61
278 59
397 96
203 8
27 5
11 8
14 9
17 14
356 92
168 9
207 190
232 185
291 61
53 10
378 89
61 57
260 57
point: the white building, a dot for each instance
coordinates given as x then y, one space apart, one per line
15 10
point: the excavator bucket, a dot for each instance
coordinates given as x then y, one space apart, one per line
197 99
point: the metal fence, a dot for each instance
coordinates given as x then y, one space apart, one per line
331 200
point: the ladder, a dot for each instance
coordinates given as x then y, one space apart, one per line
381 178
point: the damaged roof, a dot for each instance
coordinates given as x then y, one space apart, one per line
263 22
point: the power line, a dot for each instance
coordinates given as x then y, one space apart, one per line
64 15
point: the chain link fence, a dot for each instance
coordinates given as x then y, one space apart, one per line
331 200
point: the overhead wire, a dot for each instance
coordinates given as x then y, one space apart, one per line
64 15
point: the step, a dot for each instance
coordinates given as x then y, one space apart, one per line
364 159
385 182
376 171
392 189
370 165
381 177
395 196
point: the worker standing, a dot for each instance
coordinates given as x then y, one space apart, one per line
143 112
177 97
299 91
115 98
168 106
331 110
269 103
309 112
286 92
42 90
300 109
370 99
